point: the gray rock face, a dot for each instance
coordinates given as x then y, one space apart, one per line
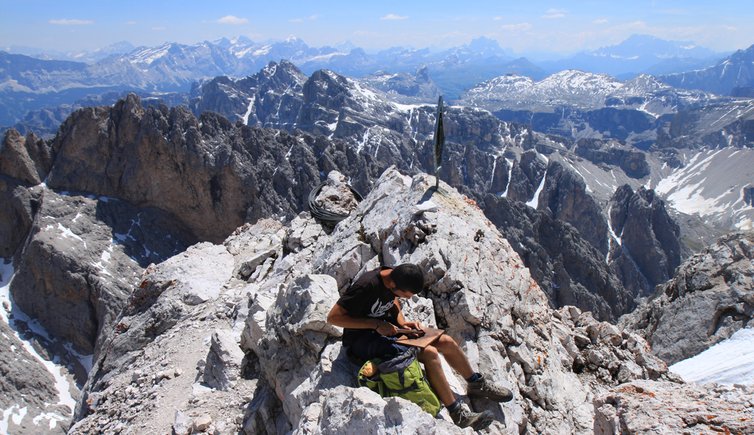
633 162
200 171
707 301
16 214
82 257
564 195
295 376
25 158
223 362
645 246
568 269
28 397
656 407
493 332
173 363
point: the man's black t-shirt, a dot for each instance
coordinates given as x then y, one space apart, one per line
368 297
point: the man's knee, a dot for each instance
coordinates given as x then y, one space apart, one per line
445 342
429 353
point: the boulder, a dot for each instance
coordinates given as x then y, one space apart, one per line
708 299
27 159
644 406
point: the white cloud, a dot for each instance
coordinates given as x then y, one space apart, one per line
301 20
600 21
394 17
552 14
516 27
131 23
232 20
71 22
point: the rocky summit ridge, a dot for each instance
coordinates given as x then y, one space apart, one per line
232 337
103 224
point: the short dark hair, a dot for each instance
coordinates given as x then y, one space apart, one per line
408 277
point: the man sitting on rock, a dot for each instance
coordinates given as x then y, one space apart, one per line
370 314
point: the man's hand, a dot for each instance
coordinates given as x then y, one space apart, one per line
387 329
413 325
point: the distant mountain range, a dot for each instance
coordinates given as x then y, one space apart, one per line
29 85
731 75
639 54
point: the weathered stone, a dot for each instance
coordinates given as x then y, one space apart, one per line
202 423
223 361
663 407
706 302
650 248
20 204
182 424
335 195
27 158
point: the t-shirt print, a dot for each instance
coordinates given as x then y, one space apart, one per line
379 310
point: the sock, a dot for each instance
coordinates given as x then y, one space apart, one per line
474 378
454 406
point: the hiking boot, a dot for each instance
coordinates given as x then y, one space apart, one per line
488 390
463 416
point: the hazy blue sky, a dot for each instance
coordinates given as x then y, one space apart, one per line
524 26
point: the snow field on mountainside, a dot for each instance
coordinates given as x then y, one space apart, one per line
729 362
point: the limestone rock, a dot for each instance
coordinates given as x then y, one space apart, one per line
564 195
17 213
28 397
347 410
27 159
570 270
479 291
182 424
83 256
210 175
167 353
335 195
649 247
662 407
223 362
708 300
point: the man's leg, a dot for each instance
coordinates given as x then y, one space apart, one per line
430 357
454 355
459 412
478 385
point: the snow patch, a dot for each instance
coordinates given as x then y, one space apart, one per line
510 174
729 362
68 234
249 109
61 382
534 202
10 414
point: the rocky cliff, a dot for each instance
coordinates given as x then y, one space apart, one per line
212 175
173 363
645 247
482 156
708 299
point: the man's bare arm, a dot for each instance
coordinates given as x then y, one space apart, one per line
338 316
